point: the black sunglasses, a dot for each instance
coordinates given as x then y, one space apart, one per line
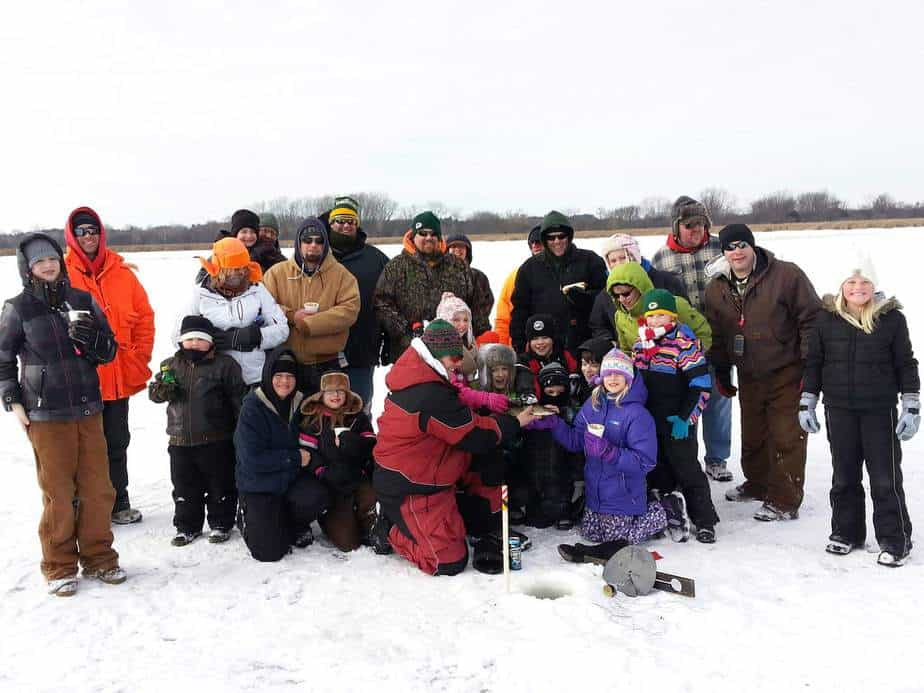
556 236
308 240
89 231
623 294
427 233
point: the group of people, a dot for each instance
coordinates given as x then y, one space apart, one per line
584 398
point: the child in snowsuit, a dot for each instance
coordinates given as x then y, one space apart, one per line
203 390
677 377
618 437
338 435
860 355
591 353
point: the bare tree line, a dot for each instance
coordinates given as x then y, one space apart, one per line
383 217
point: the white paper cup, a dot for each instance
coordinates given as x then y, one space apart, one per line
595 429
312 307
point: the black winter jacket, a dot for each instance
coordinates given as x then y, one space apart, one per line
58 381
205 400
603 313
856 370
538 290
266 445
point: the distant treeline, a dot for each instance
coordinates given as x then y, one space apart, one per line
382 216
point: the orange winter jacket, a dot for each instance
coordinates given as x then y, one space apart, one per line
113 284
504 308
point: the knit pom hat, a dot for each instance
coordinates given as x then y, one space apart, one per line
686 210
863 268
553 374
621 241
426 220
244 219
230 253
269 219
736 232
441 338
540 325
617 363
449 305
659 301
196 327
345 206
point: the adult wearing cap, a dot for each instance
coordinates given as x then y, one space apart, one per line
365 262
423 476
562 280
266 250
413 282
245 226
482 297
761 311
59 336
246 317
504 304
279 497
113 284
321 302
619 249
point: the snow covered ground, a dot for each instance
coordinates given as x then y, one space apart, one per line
773 611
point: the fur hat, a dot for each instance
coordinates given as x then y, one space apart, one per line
244 219
334 380
492 356
621 241
617 363
196 327
230 253
686 209
540 325
441 338
553 374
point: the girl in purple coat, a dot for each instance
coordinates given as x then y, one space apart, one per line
618 438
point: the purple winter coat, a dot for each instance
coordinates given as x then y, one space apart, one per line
616 486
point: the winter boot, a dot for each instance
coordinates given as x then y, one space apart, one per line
304 540
584 553
564 525
516 516
718 470
892 558
184 538
770 513
705 535
378 533
129 516
839 546
739 495
111 576
678 522
219 536
487 556
63 587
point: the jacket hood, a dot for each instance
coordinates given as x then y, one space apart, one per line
96 264
492 356
882 304
414 367
23 266
266 380
311 225
638 393
631 274
461 238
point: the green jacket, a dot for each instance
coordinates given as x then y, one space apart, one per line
633 274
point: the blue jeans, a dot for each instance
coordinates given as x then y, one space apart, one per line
361 384
717 426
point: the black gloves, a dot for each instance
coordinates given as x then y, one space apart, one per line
724 383
91 341
238 339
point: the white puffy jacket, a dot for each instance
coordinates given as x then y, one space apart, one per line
255 304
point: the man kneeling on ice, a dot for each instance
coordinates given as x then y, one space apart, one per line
429 493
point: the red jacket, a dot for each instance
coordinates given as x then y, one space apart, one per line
113 284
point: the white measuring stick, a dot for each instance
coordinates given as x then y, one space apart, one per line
506 536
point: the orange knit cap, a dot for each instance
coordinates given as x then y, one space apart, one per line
230 253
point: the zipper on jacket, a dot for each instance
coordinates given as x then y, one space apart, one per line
41 395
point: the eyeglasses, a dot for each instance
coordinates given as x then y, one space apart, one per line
80 232
737 245
316 240
427 233
344 221
556 236
623 294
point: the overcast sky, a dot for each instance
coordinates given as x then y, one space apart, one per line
185 111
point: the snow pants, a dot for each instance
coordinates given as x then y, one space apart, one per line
773 445
118 436
349 517
203 478
431 529
678 468
855 437
70 462
270 524
549 479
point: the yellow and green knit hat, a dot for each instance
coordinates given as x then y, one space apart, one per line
659 301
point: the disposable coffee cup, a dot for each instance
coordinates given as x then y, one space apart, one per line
596 429
73 315
312 307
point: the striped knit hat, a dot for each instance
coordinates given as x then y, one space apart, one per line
617 363
442 339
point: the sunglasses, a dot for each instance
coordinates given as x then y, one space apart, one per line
427 233
556 236
80 232
344 221
737 245
316 240
694 225
623 294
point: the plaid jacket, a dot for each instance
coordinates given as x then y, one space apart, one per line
690 268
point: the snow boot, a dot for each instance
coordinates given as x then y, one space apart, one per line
129 516
564 525
304 540
839 546
111 576
378 533
718 471
770 513
219 536
585 553
678 522
184 538
516 516
739 495
892 559
705 535
63 587
487 556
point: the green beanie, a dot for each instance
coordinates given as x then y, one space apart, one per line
556 220
442 339
659 301
269 219
427 220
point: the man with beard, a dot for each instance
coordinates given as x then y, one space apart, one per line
562 280
365 262
103 273
412 284
321 301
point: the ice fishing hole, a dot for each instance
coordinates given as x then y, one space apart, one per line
547 589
